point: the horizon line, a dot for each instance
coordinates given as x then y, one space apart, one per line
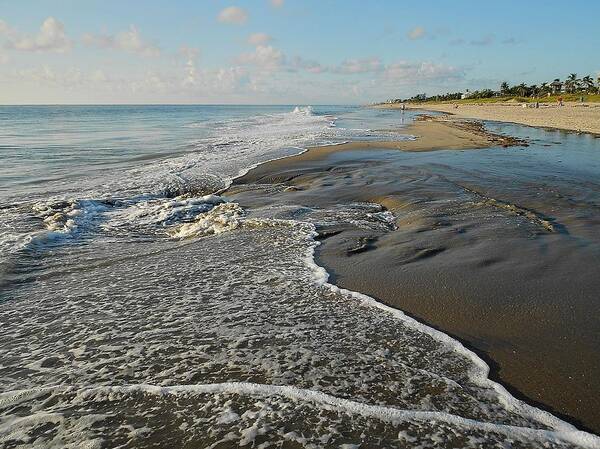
183 104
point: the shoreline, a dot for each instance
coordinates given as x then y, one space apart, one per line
303 171
572 117
494 373
430 134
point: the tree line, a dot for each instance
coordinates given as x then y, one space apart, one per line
571 85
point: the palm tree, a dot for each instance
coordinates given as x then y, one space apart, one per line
572 83
534 89
522 89
588 83
544 88
504 88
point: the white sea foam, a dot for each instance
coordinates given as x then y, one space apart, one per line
236 146
66 216
228 332
252 424
250 315
304 110
240 144
160 213
59 220
222 218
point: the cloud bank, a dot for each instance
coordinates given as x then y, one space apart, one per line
263 74
129 41
50 38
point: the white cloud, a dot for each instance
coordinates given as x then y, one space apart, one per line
130 41
402 72
233 15
346 67
191 73
197 82
227 79
151 81
310 66
45 74
51 37
4 28
190 54
38 74
259 39
277 3
49 83
416 33
262 74
99 76
350 66
222 81
412 72
264 56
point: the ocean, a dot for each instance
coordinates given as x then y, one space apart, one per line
141 307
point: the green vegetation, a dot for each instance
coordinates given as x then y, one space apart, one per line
588 98
571 89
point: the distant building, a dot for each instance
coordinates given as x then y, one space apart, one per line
467 94
556 86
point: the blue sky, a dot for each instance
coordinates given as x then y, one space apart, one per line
285 51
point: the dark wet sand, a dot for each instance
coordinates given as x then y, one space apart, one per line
511 270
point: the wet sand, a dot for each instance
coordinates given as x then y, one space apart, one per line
430 134
505 264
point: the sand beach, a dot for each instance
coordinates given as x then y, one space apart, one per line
573 116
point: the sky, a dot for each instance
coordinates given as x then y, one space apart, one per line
285 51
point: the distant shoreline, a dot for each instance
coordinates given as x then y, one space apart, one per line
432 134
573 116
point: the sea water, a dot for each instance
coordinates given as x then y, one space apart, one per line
140 307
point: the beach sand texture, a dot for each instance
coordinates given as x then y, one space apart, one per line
580 117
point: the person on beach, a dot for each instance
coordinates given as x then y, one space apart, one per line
560 101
